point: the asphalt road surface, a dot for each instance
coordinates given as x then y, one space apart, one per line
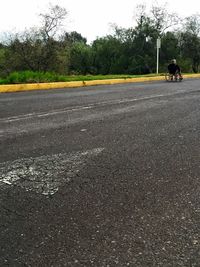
101 176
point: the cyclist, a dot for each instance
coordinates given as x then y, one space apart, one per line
174 69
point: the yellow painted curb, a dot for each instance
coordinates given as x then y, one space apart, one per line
45 86
192 75
55 85
37 86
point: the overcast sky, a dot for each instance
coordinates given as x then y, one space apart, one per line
91 18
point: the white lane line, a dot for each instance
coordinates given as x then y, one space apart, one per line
43 114
79 108
63 111
89 106
44 174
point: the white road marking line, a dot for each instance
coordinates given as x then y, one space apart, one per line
43 114
79 108
44 174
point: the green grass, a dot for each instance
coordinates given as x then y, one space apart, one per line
30 77
42 77
45 77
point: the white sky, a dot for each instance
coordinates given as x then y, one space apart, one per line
91 18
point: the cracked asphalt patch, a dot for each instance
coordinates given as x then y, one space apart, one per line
44 174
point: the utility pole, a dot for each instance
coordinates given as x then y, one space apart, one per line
158 45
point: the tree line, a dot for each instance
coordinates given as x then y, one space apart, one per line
125 51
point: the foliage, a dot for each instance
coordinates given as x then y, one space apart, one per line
191 41
42 77
80 58
31 77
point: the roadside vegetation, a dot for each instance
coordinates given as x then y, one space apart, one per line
43 55
42 77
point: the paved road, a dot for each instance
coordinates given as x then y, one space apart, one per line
101 176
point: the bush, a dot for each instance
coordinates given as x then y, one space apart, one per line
31 77
42 77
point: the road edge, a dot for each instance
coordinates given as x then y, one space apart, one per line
8 88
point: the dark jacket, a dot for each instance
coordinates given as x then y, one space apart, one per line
173 68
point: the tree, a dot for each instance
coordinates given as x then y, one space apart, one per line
80 58
23 52
37 49
191 41
192 24
170 49
106 55
162 19
149 26
73 37
52 21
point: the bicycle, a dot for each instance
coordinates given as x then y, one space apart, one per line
177 77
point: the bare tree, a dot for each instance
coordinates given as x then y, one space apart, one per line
192 24
52 21
163 19
37 49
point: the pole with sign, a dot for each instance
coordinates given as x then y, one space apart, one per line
158 45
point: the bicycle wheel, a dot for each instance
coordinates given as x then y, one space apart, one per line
180 78
168 77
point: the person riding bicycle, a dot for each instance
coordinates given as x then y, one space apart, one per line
174 69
